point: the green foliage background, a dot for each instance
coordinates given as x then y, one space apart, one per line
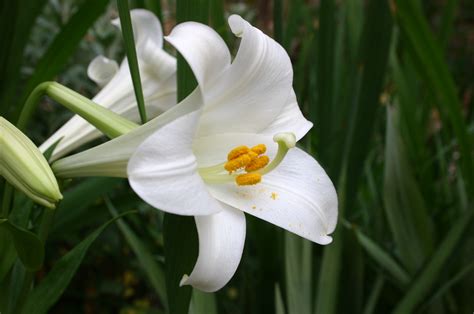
389 86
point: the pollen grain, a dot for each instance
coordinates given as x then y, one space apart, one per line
237 152
248 178
237 163
257 163
259 149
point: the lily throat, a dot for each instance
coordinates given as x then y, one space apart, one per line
247 166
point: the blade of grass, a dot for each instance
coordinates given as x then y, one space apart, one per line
372 61
153 270
426 280
298 274
45 295
425 49
127 33
217 18
279 306
17 19
374 295
382 258
278 20
405 207
450 283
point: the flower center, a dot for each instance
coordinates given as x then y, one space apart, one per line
246 166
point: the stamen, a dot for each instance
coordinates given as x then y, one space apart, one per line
248 178
259 149
252 155
236 152
285 142
237 163
258 163
250 160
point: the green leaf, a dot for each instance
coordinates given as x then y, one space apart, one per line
19 216
50 289
28 246
426 280
8 255
181 251
382 258
374 295
298 274
279 306
153 270
371 67
64 44
278 20
17 19
127 32
405 208
425 49
74 211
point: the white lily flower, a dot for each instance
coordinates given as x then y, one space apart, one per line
228 148
158 76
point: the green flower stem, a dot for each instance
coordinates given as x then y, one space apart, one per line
108 122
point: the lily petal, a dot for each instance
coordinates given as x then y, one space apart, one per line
111 158
254 88
297 196
204 50
163 170
221 243
290 119
101 70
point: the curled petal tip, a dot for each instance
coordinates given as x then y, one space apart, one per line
184 280
236 23
325 240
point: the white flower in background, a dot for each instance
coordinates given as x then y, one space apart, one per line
158 76
228 148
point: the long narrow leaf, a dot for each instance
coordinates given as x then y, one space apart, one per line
45 295
428 53
424 283
382 258
153 270
127 32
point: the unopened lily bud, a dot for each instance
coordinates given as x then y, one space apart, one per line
24 167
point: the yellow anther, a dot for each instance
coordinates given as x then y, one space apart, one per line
257 163
259 149
236 152
253 155
248 178
237 163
